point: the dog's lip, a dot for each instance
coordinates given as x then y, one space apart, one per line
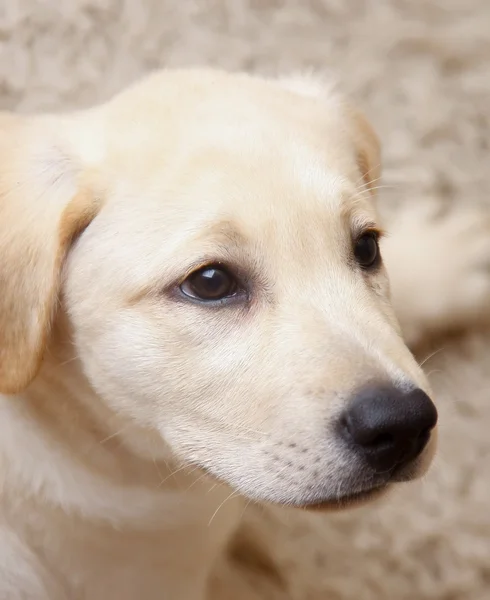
347 500
327 504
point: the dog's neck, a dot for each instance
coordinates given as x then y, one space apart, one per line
82 456
88 488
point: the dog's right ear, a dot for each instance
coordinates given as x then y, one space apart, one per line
46 199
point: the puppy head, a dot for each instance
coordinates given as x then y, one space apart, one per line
222 279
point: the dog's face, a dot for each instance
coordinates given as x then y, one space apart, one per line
226 288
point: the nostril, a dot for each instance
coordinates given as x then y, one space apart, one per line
368 437
382 439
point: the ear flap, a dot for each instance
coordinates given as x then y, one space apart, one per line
368 148
366 142
43 206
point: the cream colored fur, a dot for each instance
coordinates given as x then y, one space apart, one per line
121 402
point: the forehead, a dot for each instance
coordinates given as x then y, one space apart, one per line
268 161
268 194
199 123
226 207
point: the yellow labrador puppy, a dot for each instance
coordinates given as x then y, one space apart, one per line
194 309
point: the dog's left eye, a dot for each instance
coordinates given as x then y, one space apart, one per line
366 250
210 283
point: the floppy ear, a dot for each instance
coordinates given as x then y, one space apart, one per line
44 204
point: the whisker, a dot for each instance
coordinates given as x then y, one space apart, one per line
245 508
214 486
200 478
113 435
367 192
431 355
433 372
67 362
174 472
157 468
233 493
364 175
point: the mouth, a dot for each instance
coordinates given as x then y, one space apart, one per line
400 474
347 501
376 486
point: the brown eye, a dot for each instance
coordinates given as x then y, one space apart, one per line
210 283
366 250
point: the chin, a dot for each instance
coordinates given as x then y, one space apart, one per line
319 503
348 501
366 496
358 488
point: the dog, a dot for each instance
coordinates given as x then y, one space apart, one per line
195 309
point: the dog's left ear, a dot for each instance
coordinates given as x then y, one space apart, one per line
46 199
363 137
367 147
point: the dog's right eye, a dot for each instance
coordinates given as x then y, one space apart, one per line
210 283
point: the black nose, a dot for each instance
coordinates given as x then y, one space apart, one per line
389 426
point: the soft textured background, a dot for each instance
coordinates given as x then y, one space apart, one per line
421 69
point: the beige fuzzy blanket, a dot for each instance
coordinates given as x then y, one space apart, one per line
421 69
